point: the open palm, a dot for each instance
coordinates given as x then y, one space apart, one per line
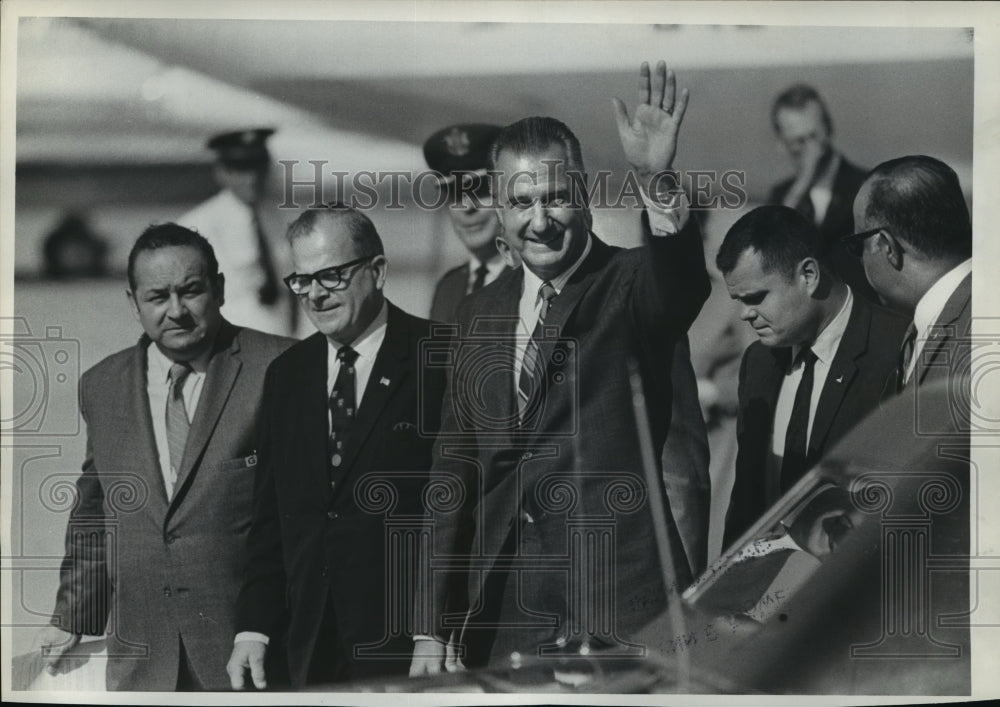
649 137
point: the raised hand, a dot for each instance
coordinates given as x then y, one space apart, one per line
649 137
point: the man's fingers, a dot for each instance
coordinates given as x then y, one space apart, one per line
235 669
257 671
681 106
424 666
621 115
644 83
665 78
656 98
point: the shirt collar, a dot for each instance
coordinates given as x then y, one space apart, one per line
931 305
493 266
370 340
158 365
828 341
532 283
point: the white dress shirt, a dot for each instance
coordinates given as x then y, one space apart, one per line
931 305
158 390
367 345
825 348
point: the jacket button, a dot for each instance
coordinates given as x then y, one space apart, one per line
167 592
332 515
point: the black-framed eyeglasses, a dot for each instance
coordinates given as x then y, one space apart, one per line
855 242
332 279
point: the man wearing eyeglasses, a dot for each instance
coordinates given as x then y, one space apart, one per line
915 242
340 454
819 366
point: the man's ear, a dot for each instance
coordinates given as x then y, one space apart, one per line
891 249
220 288
809 272
381 267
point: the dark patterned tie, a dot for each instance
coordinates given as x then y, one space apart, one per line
177 422
268 292
480 280
905 356
794 462
343 405
529 383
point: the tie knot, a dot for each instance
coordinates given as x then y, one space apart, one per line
347 355
482 270
806 357
178 372
547 292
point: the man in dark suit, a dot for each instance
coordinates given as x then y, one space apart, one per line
459 153
915 241
156 543
539 428
819 367
341 456
825 182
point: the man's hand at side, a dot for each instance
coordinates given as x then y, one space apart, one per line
247 654
428 658
54 644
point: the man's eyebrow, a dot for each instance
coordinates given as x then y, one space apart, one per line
755 294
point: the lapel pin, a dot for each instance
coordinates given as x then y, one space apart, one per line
840 380
384 381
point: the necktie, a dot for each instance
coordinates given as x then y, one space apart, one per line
529 383
343 405
268 292
806 208
480 280
794 462
905 356
177 422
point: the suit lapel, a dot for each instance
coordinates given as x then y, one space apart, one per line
946 327
841 187
499 323
387 375
138 424
843 370
223 369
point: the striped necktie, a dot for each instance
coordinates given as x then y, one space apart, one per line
177 421
532 378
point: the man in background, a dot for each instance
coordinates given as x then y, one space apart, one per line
459 153
820 364
156 543
825 182
239 223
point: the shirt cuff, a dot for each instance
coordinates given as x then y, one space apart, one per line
668 213
424 637
247 636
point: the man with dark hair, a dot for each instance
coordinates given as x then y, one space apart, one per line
156 542
915 241
825 182
341 434
540 409
819 367
240 222
459 153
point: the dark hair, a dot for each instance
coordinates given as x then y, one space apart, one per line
782 236
535 134
165 235
919 199
361 229
796 98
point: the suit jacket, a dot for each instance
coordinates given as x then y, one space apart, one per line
839 222
448 294
947 353
618 305
149 568
866 357
312 540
